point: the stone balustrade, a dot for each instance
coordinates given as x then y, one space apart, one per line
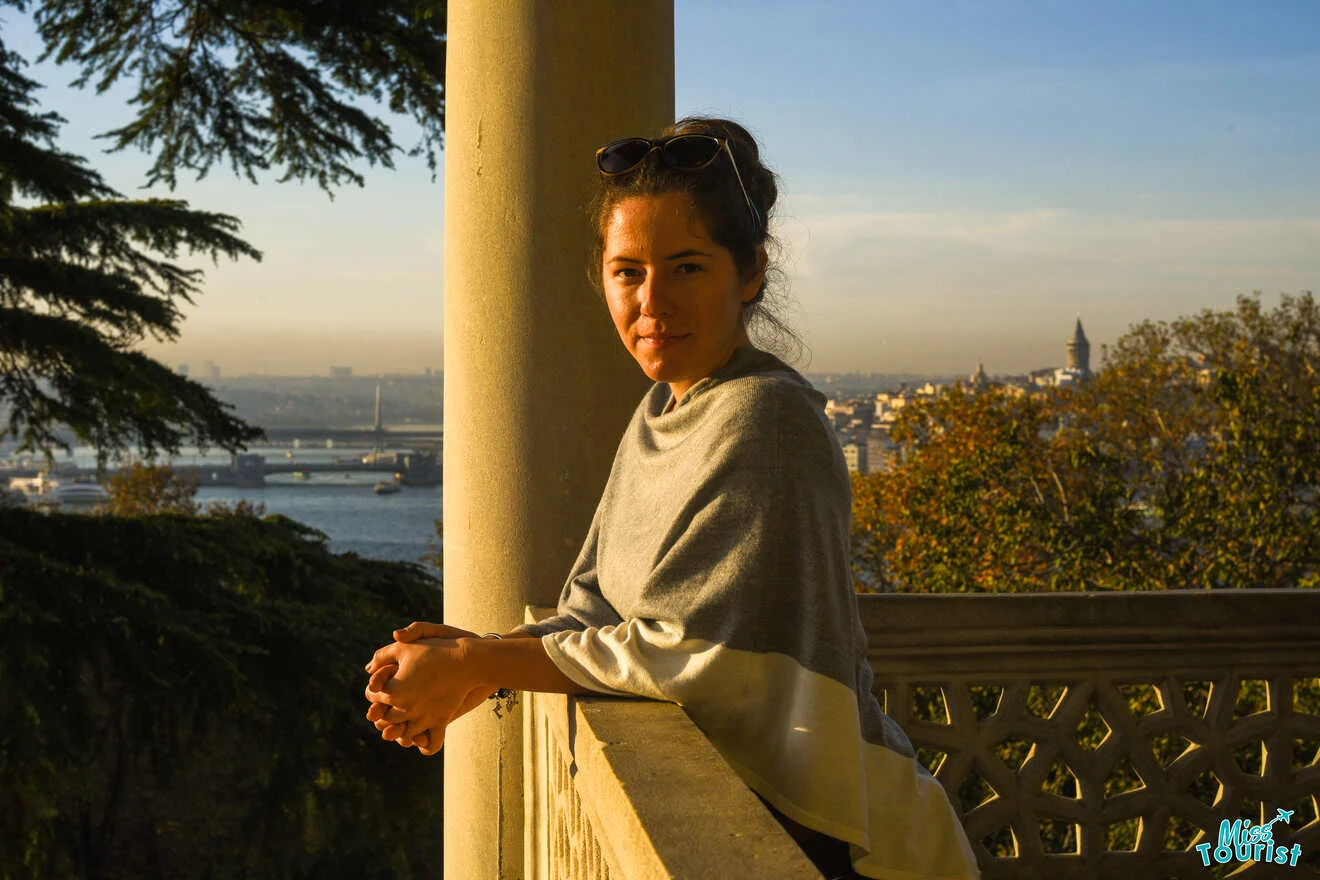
1108 735
631 790
1081 736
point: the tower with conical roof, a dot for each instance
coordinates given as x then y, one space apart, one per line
1079 351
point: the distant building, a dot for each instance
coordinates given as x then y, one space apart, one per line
882 454
1079 351
1042 377
341 372
181 369
854 454
1079 358
211 370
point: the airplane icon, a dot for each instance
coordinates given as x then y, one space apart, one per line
1284 816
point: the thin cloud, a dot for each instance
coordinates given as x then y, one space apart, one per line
937 284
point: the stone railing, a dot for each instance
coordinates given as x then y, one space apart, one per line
632 790
620 789
1108 735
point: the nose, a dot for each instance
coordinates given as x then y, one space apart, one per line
653 297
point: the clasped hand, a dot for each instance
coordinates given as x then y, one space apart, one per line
419 684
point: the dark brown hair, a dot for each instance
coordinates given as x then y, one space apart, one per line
715 193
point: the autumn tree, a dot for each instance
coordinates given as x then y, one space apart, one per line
139 489
1191 459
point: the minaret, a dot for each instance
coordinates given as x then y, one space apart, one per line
378 427
1079 350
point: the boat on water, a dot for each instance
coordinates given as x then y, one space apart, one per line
70 496
79 496
387 487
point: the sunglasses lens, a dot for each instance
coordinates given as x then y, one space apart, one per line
690 152
619 156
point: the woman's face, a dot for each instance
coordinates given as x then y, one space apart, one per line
674 294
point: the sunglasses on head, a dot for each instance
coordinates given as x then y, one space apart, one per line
682 152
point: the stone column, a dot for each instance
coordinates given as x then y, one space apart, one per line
538 387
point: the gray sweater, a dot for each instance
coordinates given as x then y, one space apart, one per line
716 575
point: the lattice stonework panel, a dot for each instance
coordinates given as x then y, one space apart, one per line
574 851
1115 778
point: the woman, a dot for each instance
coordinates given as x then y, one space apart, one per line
716 570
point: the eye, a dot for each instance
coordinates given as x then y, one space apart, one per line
624 272
689 268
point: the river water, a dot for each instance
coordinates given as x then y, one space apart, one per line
398 527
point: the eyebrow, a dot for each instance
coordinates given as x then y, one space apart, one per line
690 252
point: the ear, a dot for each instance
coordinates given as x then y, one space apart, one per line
752 286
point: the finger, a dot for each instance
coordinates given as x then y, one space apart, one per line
379 681
384 713
376 686
428 741
384 655
435 742
394 731
420 629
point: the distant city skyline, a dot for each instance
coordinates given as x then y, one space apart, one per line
959 181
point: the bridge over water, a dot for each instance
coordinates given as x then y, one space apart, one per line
415 468
382 438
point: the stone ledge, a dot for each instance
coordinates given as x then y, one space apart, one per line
672 807
1203 632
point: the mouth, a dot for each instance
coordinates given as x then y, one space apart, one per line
661 340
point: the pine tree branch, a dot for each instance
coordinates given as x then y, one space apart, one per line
60 373
109 302
83 279
260 84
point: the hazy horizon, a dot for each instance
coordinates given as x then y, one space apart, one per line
959 182
298 353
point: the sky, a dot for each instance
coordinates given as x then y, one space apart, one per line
960 180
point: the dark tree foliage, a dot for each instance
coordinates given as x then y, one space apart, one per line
85 275
183 698
260 84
